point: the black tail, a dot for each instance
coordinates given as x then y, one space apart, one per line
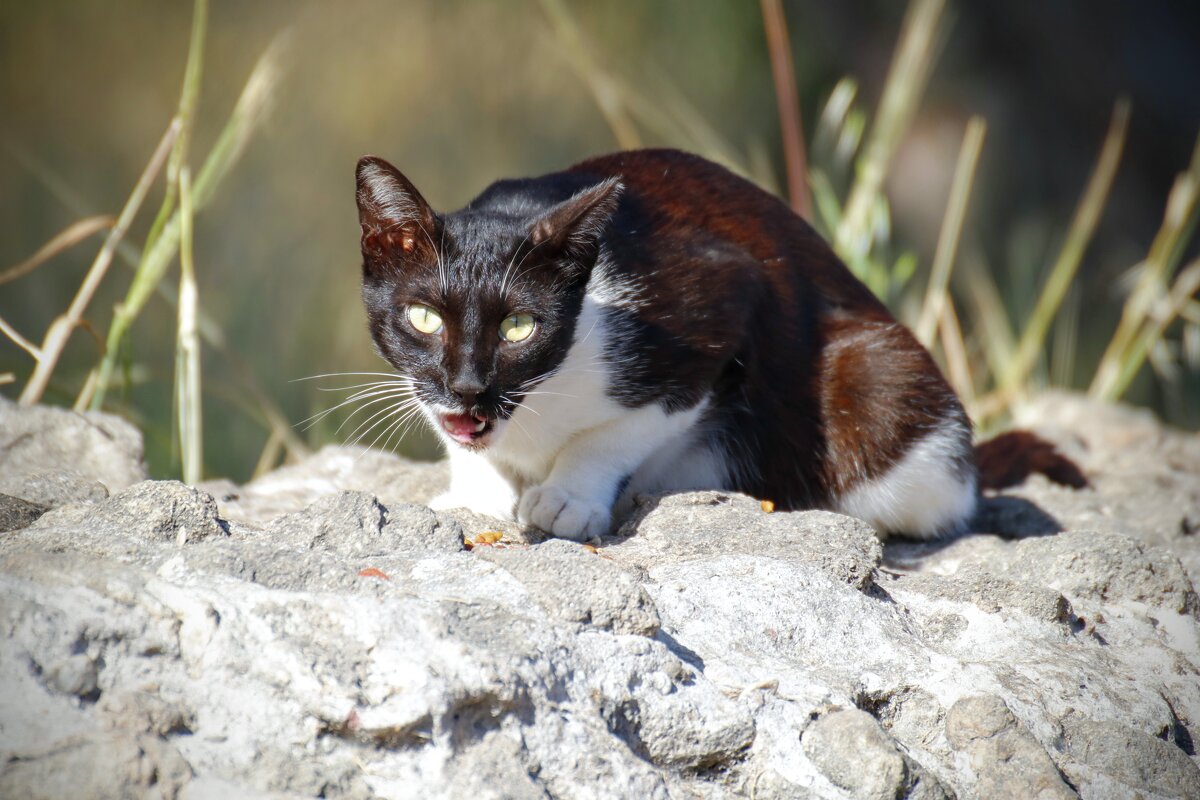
1010 458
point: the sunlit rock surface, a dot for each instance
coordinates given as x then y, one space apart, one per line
320 632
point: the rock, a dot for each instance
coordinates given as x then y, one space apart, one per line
53 489
392 479
159 511
702 524
99 766
1129 757
1145 476
992 594
1006 759
321 633
854 752
94 446
576 585
1111 567
356 525
75 675
1104 567
16 513
416 530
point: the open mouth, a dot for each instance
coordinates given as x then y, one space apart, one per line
466 428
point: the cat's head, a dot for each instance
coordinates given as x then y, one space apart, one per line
479 306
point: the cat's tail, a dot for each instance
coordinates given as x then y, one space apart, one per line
1010 458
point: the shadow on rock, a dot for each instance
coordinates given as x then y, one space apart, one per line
1013 518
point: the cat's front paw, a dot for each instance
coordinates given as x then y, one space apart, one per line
564 515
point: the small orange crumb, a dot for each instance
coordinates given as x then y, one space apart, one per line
591 548
767 506
371 572
489 537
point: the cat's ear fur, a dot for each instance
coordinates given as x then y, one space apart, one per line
395 219
574 225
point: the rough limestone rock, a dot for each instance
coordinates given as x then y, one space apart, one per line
320 632
52 456
853 751
16 513
1006 759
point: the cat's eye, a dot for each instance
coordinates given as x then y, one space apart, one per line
517 328
424 318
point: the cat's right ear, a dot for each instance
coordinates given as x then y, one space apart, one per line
575 223
395 219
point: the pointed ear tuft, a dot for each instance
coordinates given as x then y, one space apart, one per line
577 222
391 211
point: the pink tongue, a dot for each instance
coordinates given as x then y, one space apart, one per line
460 425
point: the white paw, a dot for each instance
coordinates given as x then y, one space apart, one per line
562 514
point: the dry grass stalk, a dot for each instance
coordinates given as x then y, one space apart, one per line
787 100
905 84
1083 226
952 225
65 239
60 330
1124 353
187 348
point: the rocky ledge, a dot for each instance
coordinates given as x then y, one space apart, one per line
320 633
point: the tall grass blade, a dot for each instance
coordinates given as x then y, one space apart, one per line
19 340
954 347
188 97
1079 235
905 83
952 225
602 86
230 144
187 346
1151 334
65 239
1179 220
787 100
60 330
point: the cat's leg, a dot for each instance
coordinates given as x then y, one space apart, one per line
576 500
694 462
478 485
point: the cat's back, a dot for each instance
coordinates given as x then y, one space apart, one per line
675 199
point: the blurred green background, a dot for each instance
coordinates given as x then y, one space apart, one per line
457 94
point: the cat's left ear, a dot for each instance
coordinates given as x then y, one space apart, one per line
575 224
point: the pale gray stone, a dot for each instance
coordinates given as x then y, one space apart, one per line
853 751
1133 758
577 585
321 632
1006 759
16 513
53 489
685 526
94 446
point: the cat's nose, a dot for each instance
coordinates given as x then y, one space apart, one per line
467 391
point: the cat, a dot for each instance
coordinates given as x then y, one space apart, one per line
647 322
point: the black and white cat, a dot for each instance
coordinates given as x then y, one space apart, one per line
648 322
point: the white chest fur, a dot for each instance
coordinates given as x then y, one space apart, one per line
562 457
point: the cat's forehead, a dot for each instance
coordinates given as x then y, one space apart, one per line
482 237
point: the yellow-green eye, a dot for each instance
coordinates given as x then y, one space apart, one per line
516 328
424 319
